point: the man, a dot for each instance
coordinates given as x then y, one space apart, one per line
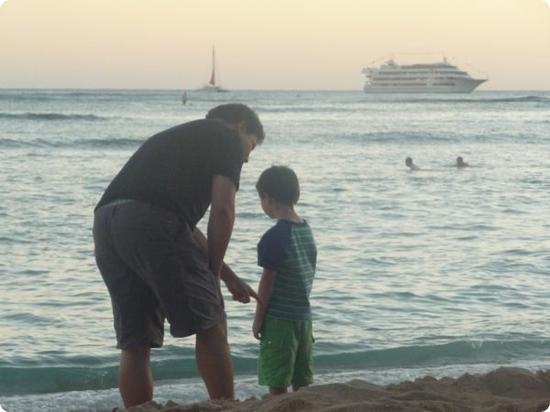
154 261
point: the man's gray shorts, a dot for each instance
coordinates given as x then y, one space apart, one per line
153 270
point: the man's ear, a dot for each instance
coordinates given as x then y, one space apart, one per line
241 127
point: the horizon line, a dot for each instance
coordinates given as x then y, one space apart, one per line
248 90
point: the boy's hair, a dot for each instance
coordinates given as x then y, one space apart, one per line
234 113
281 183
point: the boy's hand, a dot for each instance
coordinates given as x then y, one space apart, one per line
257 329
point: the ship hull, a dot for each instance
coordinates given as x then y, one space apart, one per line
459 86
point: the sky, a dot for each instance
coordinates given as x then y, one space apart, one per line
266 44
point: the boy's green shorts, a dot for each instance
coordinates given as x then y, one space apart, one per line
286 353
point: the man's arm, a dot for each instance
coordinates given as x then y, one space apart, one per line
239 289
220 222
265 290
222 212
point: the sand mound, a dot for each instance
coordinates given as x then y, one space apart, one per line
505 389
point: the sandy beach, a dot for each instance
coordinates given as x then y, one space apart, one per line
505 389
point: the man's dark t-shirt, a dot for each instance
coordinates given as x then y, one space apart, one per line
173 169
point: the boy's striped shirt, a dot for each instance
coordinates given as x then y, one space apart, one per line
288 248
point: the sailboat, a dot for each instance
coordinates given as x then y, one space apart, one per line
212 86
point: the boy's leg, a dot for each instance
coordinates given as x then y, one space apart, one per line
303 368
214 362
135 378
277 355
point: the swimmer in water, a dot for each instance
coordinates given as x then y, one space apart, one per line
460 162
410 164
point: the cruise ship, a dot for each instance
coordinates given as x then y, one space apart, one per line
441 77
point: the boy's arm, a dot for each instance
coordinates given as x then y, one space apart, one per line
265 290
239 289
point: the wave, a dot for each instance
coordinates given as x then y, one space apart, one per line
88 373
334 108
123 143
349 138
391 137
95 94
521 99
339 107
78 143
51 116
422 137
33 99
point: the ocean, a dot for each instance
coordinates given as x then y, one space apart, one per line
439 271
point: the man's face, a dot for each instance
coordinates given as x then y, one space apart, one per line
249 140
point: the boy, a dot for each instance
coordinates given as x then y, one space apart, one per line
288 255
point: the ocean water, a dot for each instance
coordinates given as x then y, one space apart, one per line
438 271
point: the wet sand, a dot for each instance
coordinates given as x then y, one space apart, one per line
505 389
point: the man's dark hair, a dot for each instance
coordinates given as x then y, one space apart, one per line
234 113
281 183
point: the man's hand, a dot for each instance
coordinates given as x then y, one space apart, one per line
240 290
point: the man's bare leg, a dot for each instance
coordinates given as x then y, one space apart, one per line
135 378
214 362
